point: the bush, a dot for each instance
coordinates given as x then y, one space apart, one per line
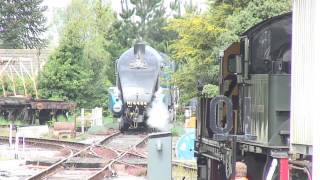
177 129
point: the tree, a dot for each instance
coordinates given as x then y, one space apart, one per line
255 12
66 75
22 24
202 36
79 70
140 19
195 51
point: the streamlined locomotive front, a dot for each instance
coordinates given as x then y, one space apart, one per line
138 80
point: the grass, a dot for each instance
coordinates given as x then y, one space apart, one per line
180 172
96 129
16 122
108 120
108 123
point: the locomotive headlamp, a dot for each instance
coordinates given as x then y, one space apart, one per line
117 107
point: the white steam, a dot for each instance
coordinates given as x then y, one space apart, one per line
158 113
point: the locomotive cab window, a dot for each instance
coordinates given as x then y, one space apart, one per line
270 48
232 63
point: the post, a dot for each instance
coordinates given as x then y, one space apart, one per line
16 147
99 117
10 135
96 116
23 145
75 123
159 159
82 120
93 117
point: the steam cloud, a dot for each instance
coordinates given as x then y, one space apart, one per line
158 113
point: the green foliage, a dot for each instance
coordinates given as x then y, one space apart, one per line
177 129
66 74
255 12
201 36
12 83
108 120
8 122
22 24
79 69
195 51
210 90
82 67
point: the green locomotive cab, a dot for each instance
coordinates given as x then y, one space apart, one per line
249 120
264 81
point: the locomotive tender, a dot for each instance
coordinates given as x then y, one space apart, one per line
249 120
138 74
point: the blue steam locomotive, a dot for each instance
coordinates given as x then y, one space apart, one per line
139 75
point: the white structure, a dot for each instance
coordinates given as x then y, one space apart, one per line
82 120
305 94
96 117
21 63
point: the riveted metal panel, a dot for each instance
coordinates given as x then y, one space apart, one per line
258 91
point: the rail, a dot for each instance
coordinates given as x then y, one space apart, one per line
101 174
55 167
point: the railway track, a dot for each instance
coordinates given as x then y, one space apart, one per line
129 152
60 166
124 148
47 142
108 170
131 158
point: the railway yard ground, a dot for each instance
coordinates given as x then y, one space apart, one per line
108 154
